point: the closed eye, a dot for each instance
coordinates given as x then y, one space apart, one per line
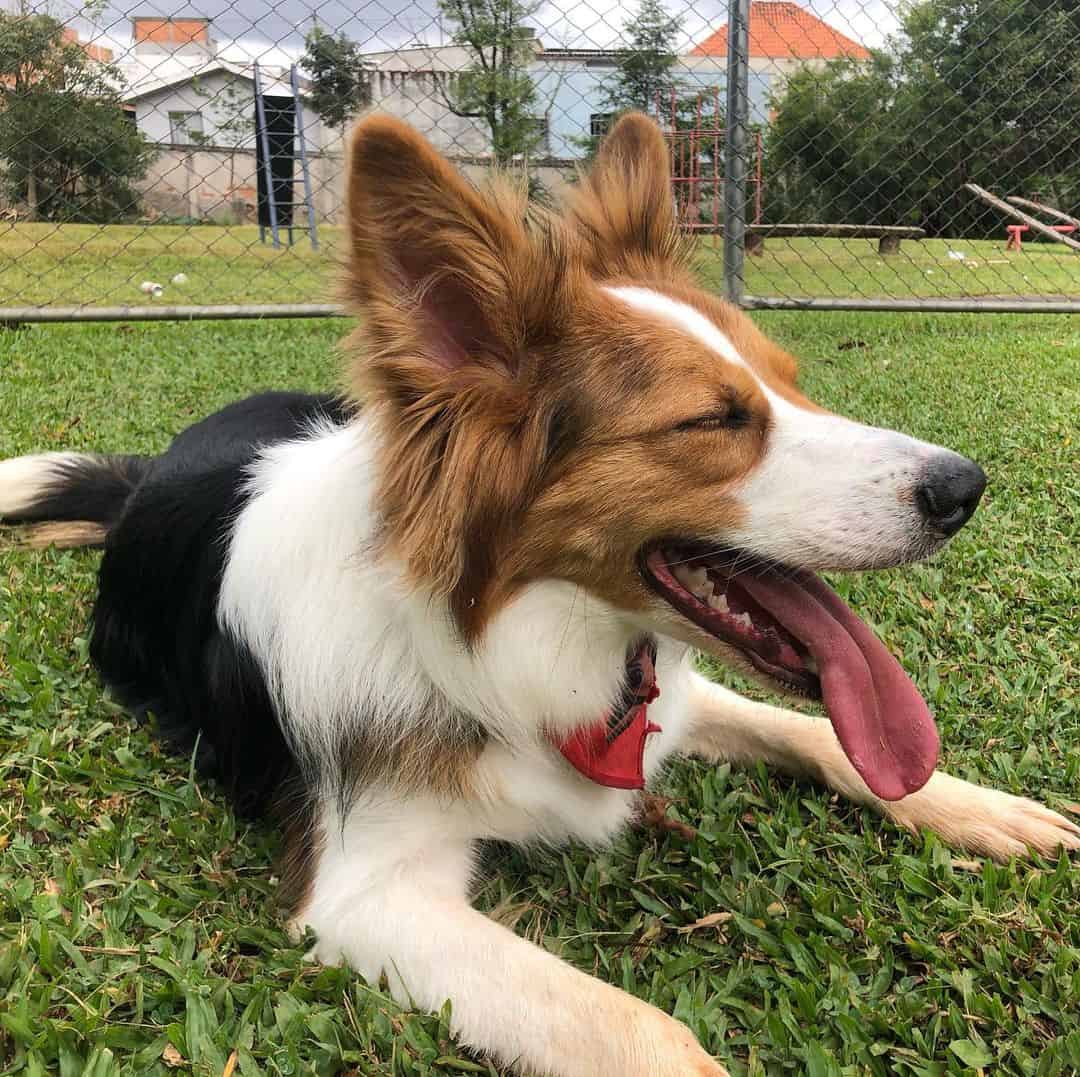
732 416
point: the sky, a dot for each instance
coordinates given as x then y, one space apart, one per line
273 30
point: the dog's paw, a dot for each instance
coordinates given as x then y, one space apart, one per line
664 1046
987 821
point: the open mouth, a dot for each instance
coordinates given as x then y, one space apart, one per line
799 634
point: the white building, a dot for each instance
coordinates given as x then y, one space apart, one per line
199 109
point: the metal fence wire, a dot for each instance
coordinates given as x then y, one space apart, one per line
187 161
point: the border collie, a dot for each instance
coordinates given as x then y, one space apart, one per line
466 608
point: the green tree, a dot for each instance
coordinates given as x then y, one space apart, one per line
69 151
340 82
644 76
983 91
496 87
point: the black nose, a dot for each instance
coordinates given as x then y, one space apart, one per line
949 492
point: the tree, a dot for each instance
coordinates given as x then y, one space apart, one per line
644 78
340 82
70 151
983 91
496 87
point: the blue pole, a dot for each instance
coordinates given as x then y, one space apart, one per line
313 234
268 172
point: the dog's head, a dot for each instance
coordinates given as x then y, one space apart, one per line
557 399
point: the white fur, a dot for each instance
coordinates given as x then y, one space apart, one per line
343 640
23 479
828 492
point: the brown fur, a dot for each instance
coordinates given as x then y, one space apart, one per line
417 762
302 844
531 425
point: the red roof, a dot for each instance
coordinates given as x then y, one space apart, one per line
785 31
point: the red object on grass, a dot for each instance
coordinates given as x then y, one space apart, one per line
1015 241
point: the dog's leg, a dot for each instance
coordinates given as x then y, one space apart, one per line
725 726
384 898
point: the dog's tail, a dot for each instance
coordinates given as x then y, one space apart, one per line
69 499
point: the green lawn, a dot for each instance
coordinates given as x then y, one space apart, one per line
45 264
137 930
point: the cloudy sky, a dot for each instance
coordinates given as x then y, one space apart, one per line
249 28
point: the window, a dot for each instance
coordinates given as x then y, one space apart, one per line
185 128
599 122
543 134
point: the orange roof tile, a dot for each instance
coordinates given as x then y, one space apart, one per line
784 31
167 31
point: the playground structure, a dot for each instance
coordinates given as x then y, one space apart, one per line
1059 233
695 137
1015 231
694 132
279 128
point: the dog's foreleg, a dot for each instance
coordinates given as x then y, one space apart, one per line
386 900
726 726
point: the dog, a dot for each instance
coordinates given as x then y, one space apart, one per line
460 602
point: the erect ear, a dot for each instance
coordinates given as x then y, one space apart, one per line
624 205
431 262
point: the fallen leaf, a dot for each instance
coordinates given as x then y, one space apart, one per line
172 1057
230 1065
712 920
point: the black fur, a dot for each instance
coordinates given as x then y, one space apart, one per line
156 639
88 487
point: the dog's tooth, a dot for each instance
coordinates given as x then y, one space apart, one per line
718 602
694 579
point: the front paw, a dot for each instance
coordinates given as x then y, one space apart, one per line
987 821
674 1049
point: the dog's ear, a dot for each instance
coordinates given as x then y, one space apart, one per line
624 207
431 261
459 300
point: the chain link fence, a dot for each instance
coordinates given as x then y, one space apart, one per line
187 160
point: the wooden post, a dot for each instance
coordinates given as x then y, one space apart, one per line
1056 214
1012 211
888 245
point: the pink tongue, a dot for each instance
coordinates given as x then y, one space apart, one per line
883 724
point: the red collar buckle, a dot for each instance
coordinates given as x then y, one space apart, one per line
612 751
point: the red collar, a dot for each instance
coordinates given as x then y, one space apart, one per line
612 750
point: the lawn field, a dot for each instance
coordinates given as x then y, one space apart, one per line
137 927
51 265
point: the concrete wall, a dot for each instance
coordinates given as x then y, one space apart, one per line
220 185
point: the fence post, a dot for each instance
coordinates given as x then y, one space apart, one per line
736 122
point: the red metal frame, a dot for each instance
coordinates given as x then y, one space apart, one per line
695 180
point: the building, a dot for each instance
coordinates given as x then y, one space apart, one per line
199 109
570 83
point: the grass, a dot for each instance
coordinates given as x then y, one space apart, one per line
137 929
46 264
